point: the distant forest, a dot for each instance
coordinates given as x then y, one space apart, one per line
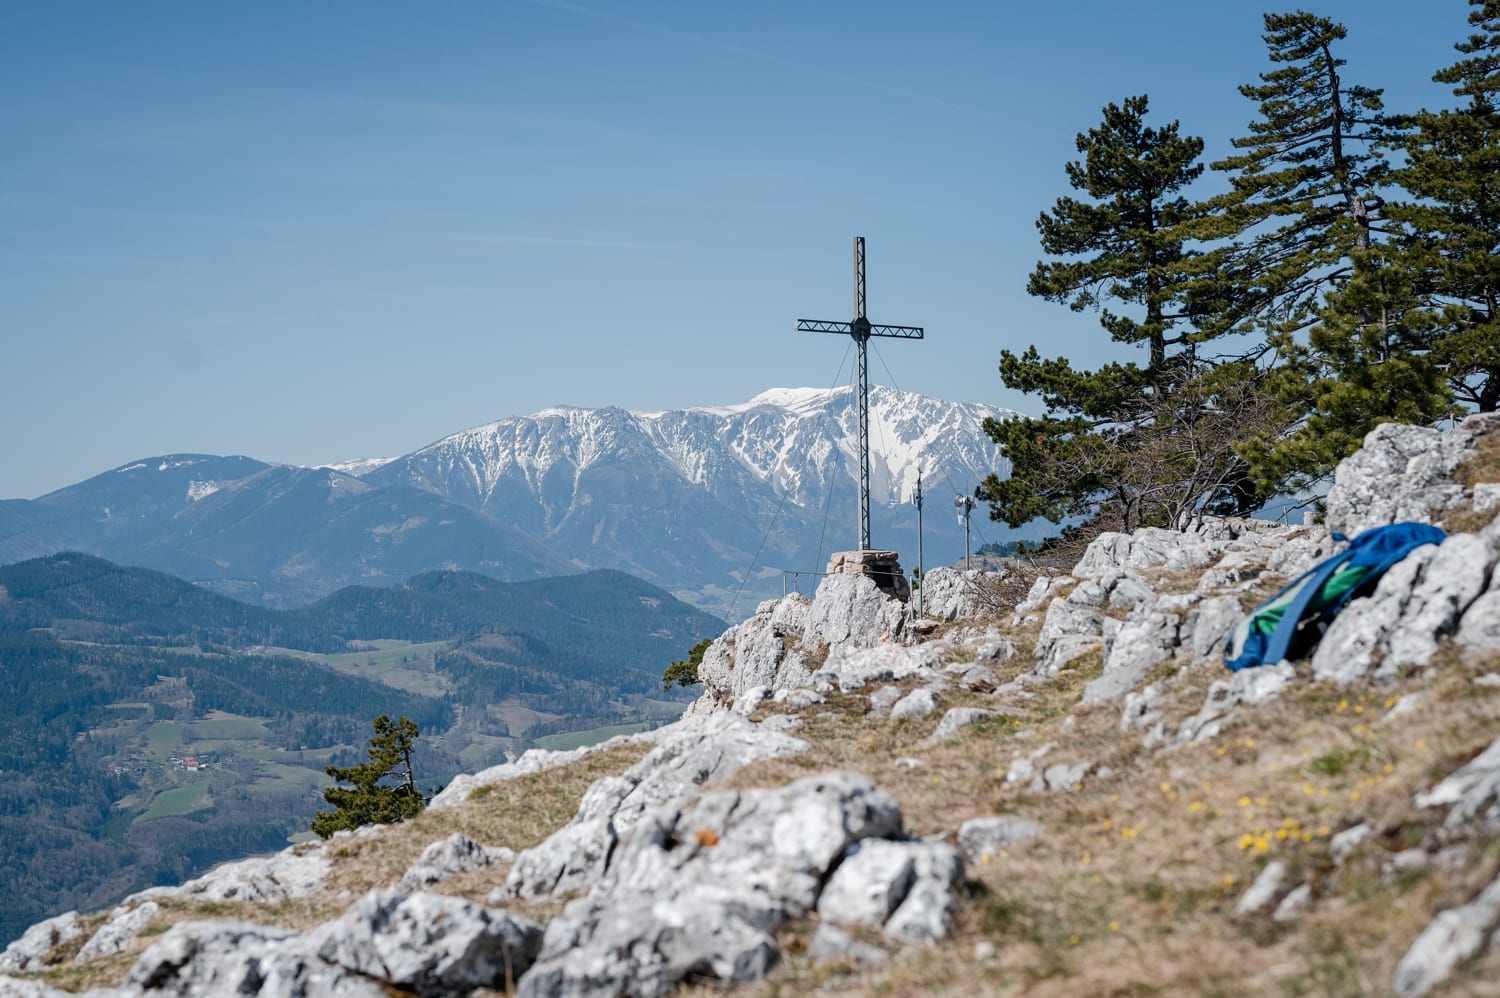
113 676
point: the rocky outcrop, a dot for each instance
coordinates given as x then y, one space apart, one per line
533 761
667 878
697 753
1403 473
700 890
422 943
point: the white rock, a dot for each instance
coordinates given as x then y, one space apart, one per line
534 761
869 884
428 943
125 922
1472 792
1452 937
924 916
1345 842
958 718
451 856
1143 643
1263 891
1401 473
982 838
1294 904
1248 687
701 889
831 944
697 754
883 699
30 951
917 703
198 959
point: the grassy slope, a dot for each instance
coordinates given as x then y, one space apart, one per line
1131 889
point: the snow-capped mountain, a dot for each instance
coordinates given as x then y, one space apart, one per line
685 497
689 499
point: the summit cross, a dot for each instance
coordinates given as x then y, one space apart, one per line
861 329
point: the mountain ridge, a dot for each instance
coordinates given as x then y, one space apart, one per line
693 499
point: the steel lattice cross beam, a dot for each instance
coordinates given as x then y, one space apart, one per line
861 329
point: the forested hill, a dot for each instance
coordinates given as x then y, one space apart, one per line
153 728
79 596
599 615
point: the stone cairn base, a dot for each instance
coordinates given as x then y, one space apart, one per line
884 567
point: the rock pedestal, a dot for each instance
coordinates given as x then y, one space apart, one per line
884 567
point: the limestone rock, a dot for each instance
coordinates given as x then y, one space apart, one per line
850 610
1068 631
1248 686
1294 904
1479 629
883 699
701 889
981 838
952 594
958 718
1143 642
238 958
917 703
1416 603
1215 618
124 924
12 987
869 884
831 944
924 916
1261 893
1454 936
1401 473
447 857
533 761
1472 792
857 668
30 951
695 755
428 943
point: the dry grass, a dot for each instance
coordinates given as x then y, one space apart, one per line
1484 466
516 814
1131 888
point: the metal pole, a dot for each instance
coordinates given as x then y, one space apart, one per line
921 578
860 330
966 537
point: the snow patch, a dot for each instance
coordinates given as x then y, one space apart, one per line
199 490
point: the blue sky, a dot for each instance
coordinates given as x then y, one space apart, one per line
314 232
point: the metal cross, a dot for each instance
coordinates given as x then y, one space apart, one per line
861 329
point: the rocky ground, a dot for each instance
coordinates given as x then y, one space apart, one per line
1049 785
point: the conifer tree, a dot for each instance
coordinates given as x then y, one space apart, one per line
369 801
1304 184
1450 227
1104 447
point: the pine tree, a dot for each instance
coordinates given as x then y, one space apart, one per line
1305 182
1370 343
369 801
1451 225
1104 447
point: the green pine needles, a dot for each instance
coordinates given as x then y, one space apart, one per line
370 800
1348 276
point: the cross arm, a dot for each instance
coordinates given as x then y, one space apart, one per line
904 332
825 326
820 326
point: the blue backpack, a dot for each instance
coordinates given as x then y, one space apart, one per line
1290 623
